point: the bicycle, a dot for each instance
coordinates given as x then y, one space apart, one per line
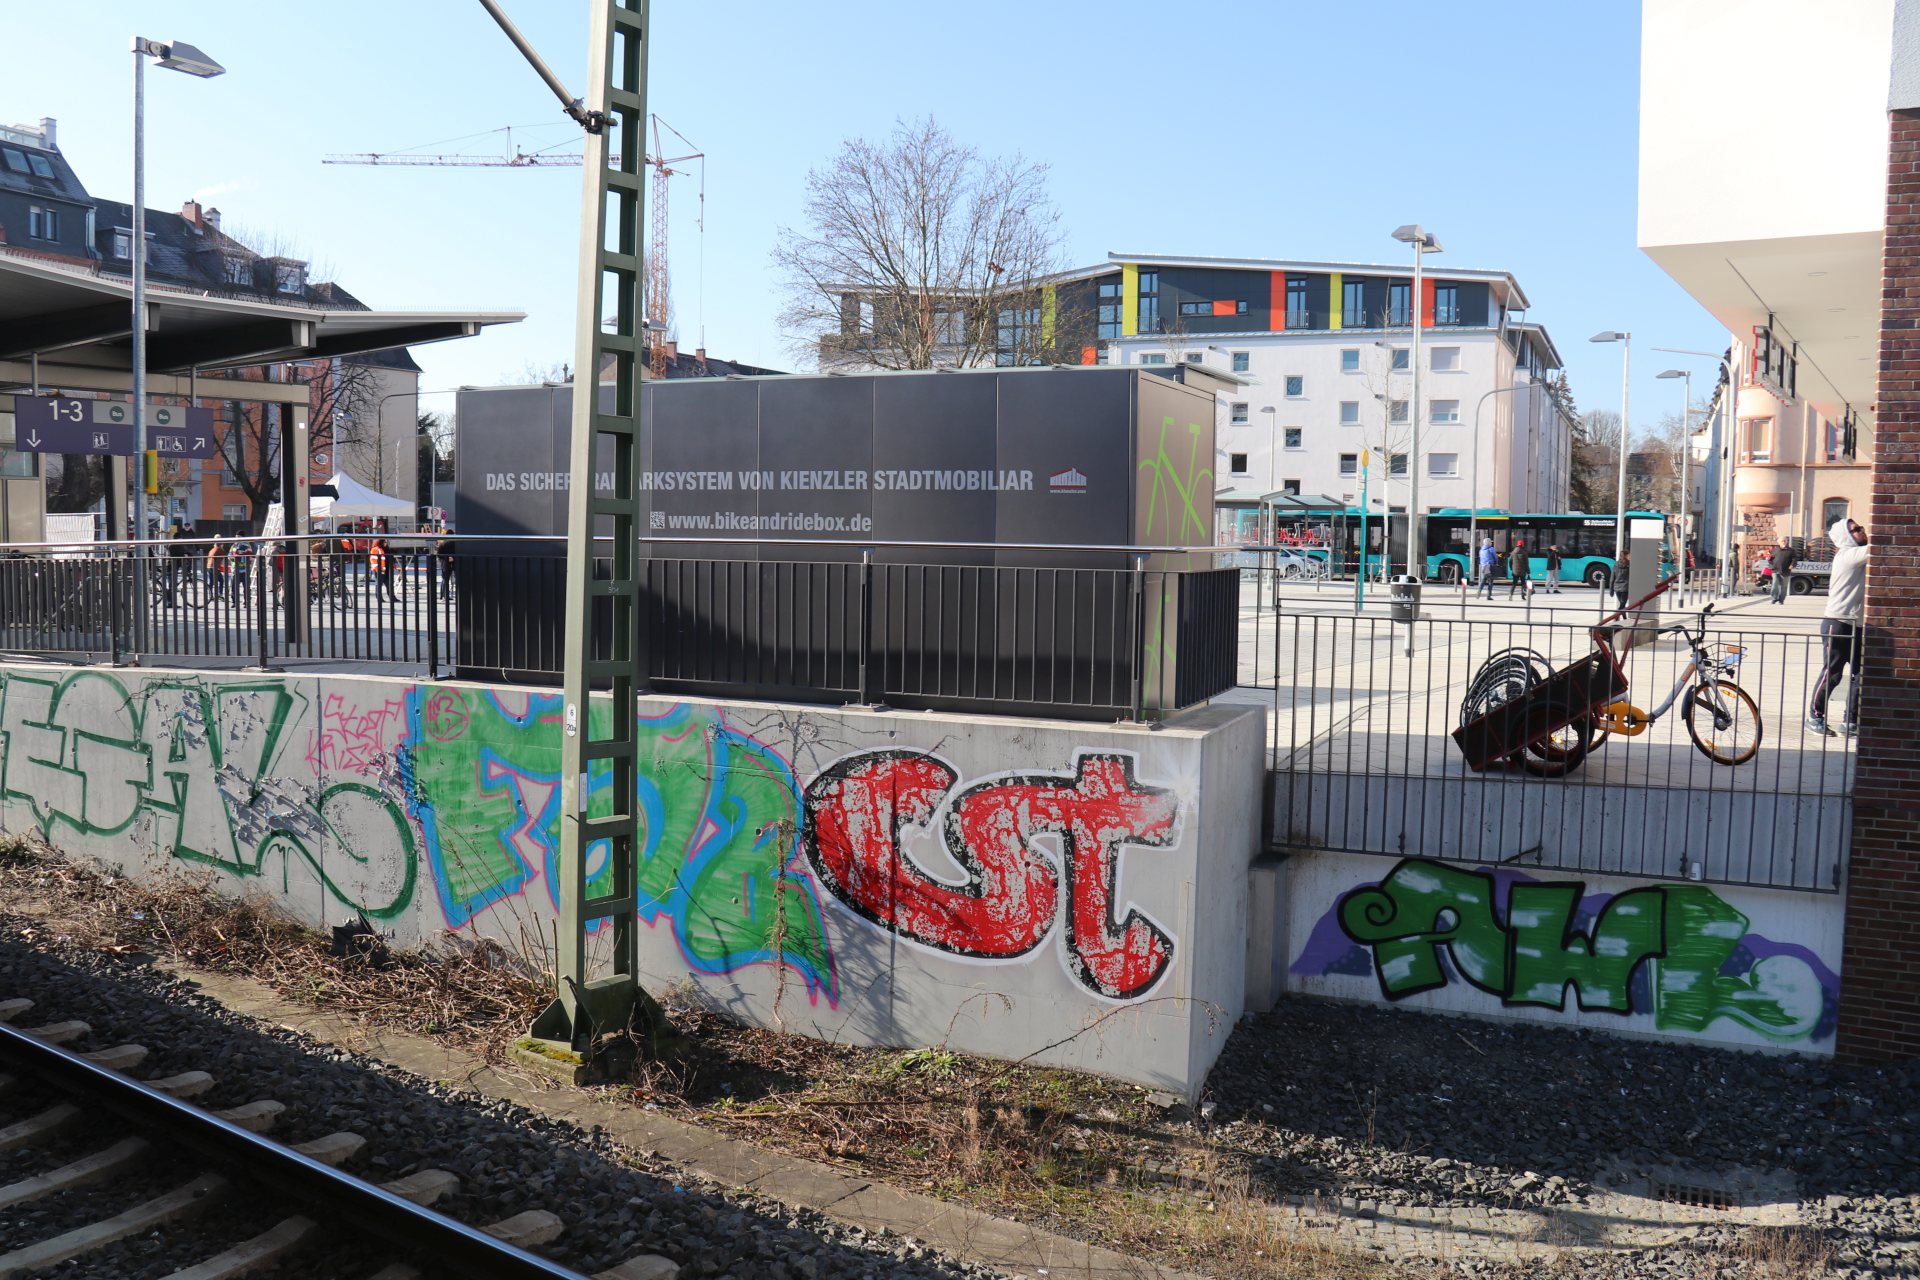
175 583
1716 709
1562 728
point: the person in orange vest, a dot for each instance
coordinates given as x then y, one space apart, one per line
380 564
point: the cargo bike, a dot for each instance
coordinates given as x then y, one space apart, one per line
1520 712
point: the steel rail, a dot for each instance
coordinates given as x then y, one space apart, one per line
467 1250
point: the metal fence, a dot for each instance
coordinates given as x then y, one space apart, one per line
1087 640
1365 759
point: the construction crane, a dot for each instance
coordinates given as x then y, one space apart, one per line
657 283
513 158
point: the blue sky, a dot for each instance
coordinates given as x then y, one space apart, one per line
1279 129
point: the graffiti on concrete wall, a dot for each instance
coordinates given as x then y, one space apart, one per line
719 815
858 813
442 803
206 764
1678 953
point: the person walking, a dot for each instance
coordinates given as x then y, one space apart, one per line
1553 568
1782 559
174 570
239 568
1622 577
1520 572
1841 626
213 567
1489 564
380 565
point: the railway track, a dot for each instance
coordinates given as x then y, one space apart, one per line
91 1156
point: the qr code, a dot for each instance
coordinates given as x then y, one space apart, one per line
657 519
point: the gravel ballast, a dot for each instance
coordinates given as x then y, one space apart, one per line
617 1203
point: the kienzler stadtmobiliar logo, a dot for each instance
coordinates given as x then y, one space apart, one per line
1072 480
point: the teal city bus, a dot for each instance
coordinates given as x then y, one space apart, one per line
1585 542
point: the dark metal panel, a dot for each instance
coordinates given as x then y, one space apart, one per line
935 424
1058 430
1174 466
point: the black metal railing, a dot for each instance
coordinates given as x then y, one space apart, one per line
1366 758
1103 637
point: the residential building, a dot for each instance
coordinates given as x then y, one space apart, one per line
363 407
1322 354
1780 240
1326 349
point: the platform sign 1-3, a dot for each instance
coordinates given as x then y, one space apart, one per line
61 424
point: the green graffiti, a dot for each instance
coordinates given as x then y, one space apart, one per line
199 759
1698 960
1180 498
719 824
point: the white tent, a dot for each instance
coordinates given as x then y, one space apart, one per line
357 502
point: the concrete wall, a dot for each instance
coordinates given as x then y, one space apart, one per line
1013 888
1754 968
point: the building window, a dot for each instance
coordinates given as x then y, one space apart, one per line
1396 464
16 160
1016 335
1446 360
235 511
1756 440
1242 362
1353 303
1402 359
1192 357
1237 413
1443 464
1214 307
1297 317
1237 463
1349 413
1400 303
41 167
1149 302
239 271
1443 411
1290 486
1296 384
1349 464
1832 512
1152 357
1397 412
289 277
1349 359
1292 437
43 224
1108 326
1446 304
122 244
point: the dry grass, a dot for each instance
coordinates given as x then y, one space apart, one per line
465 989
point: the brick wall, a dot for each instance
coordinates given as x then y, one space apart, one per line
1880 988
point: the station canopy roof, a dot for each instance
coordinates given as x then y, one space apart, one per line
49 306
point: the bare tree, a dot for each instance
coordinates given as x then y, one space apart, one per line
340 399
1591 482
919 252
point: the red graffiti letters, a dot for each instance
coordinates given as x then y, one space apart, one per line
1007 903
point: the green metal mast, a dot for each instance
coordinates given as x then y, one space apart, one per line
599 760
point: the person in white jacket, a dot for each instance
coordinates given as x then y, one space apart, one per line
1841 628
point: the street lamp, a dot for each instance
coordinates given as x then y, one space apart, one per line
1686 456
1473 503
1620 502
175 56
1423 243
1273 460
1722 520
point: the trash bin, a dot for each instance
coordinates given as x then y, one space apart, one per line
1404 592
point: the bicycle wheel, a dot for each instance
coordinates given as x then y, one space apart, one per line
1723 721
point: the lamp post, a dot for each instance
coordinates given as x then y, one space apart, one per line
1423 243
175 56
1273 461
1626 373
1686 456
1723 535
1473 501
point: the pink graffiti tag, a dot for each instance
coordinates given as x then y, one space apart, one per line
354 740
857 810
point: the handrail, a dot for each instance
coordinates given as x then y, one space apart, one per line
560 539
